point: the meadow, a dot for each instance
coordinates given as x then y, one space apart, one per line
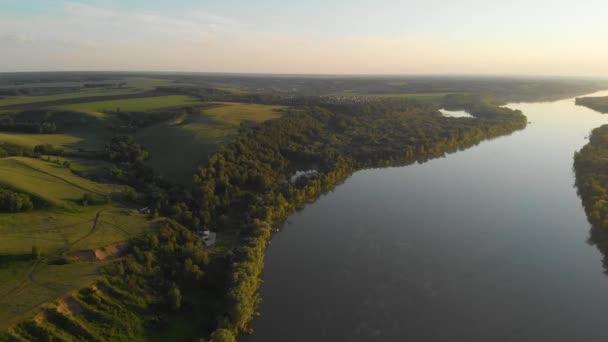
135 104
50 182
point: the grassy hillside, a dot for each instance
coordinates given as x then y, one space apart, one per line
31 139
60 236
177 149
66 235
53 183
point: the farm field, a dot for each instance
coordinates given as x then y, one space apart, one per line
135 104
197 136
31 139
129 82
28 99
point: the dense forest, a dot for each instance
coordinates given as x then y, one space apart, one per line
590 166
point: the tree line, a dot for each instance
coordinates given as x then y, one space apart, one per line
591 170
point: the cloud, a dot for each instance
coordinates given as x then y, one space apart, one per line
87 37
82 22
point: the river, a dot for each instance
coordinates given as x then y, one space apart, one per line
487 244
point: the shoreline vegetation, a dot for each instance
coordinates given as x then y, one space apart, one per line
599 104
590 167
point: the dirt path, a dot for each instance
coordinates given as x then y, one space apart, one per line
30 277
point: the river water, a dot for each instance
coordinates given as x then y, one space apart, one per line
487 244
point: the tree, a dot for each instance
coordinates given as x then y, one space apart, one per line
223 335
87 198
175 297
36 254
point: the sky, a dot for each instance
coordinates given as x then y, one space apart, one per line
531 37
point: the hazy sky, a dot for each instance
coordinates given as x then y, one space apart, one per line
557 37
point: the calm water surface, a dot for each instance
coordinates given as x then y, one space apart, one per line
488 244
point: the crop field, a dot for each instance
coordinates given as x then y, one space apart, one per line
135 104
177 150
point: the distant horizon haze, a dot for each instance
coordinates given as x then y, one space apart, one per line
334 37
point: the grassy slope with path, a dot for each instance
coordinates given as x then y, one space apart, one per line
48 181
64 228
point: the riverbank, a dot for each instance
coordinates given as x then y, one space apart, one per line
424 252
340 144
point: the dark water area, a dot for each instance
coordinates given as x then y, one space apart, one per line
487 244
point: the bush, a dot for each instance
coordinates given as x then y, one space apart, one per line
222 335
13 202
92 199
36 253
48 149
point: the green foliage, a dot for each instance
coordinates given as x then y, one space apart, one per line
14 150
48 149
123 149
590 166
12 202
222 335
36 253
175 298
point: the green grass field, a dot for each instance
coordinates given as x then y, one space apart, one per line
177 150
235 113
135 105
15 100
58 231
50 182
27 284
31 140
